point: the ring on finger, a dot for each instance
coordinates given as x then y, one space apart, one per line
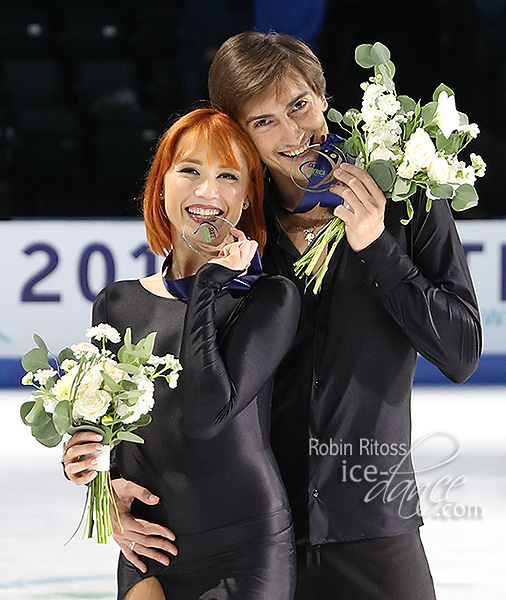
131 545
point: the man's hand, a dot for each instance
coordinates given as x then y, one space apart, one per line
151 540
364 219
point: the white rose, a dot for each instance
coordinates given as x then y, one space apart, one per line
447 117
62 387
91 380
382 153
406 170
92 405
438 170
420 149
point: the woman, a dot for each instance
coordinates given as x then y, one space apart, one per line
206 453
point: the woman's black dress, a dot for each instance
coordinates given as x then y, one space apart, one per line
206 452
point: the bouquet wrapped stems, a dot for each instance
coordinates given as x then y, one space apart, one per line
100 500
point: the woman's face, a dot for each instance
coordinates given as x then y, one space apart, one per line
199 190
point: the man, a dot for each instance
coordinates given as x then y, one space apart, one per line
341 405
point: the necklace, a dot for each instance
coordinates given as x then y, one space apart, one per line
309 232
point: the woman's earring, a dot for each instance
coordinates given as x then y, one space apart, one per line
161 194
245 205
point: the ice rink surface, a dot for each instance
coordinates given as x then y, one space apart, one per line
463 502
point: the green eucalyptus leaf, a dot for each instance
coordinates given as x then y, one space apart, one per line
65 354
380 54
36 413
102 429
334 115
442 87
128 368
451 145
25 410
122 354
428 112
418 110
401 189
128 338
383 174
51 440
40 343
127 385
387 82
407 103
61 417
148 343
47 434
111 384
464 119
350 147
390 67
363 56
143 421
34 360
129 436
465 197
441 190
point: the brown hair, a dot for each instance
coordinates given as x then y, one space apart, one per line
221 136
248 63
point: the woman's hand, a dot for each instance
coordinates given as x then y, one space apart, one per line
139 537
80 456
364 219
237 255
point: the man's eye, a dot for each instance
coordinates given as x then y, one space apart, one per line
261 123
299 105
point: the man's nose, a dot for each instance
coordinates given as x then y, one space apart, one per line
292 133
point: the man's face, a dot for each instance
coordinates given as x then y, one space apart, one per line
282 125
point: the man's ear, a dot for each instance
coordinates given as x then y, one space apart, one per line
324 103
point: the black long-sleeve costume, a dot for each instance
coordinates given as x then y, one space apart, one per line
348 377
206 452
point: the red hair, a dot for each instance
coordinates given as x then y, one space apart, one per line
222 137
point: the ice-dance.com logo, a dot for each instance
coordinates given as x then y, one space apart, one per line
436 497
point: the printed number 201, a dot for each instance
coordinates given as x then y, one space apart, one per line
29 293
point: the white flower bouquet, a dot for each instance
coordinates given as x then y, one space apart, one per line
89 388
404 146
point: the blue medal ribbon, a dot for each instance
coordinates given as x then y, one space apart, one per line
327 198
239 286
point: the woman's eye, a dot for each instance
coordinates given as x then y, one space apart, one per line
230 176
189 170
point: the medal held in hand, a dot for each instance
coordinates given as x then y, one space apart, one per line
207 236
314 174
